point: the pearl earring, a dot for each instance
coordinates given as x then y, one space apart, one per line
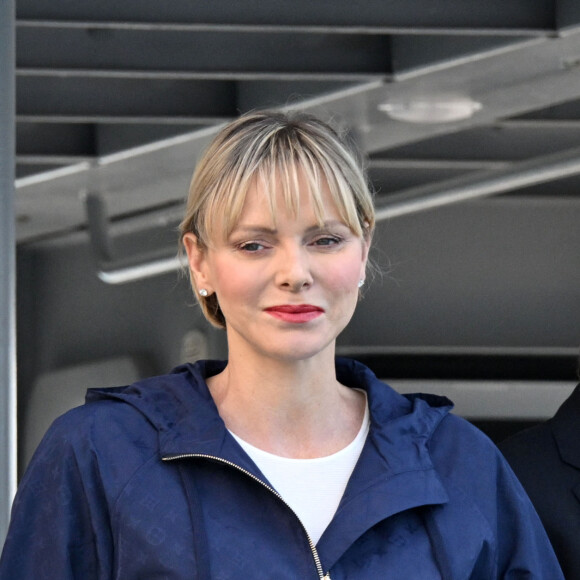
203 292
361 283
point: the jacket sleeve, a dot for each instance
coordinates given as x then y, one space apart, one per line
488 508
59 526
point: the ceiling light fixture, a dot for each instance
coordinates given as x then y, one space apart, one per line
431 109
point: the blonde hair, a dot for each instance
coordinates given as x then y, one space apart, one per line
276 148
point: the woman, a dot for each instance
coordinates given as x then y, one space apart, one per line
281 462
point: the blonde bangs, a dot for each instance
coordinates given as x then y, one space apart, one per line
289 173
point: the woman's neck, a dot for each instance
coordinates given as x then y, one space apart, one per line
290 408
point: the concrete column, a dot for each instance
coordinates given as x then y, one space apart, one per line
7 265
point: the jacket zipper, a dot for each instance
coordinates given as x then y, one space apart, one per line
313 549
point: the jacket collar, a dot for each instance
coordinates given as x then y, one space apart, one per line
394 472
566 429
181 408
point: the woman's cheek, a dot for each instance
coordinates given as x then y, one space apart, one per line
345 278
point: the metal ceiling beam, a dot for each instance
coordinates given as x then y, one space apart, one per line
411 14
474 186
84 141
127 178
377 164
138 51
77 99
124 97
503 142
412 52
510 82
53 139
389 178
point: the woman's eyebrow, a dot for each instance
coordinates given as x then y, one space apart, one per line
327 225
254 229
260 229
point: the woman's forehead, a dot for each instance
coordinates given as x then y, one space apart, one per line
263 201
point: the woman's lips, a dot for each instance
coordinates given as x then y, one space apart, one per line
296 313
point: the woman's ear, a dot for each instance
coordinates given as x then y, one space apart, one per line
197 259
366 245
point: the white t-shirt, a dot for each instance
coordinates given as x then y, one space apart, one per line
313 488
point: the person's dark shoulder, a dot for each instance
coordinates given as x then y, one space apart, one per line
532 454
528 441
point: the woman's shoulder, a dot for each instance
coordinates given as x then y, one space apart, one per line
478 477
124 423
96 432
458 444
108 428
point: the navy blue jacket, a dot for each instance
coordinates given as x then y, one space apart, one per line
145 482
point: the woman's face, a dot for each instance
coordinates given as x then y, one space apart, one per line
286 288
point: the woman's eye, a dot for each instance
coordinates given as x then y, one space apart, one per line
251 246
327 241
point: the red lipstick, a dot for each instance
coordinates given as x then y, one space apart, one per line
296 313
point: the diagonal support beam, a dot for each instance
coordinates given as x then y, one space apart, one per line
482 184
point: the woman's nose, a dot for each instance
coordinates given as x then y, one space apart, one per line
293 269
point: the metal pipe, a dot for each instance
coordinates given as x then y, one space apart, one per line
140 271
481 184
7 265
